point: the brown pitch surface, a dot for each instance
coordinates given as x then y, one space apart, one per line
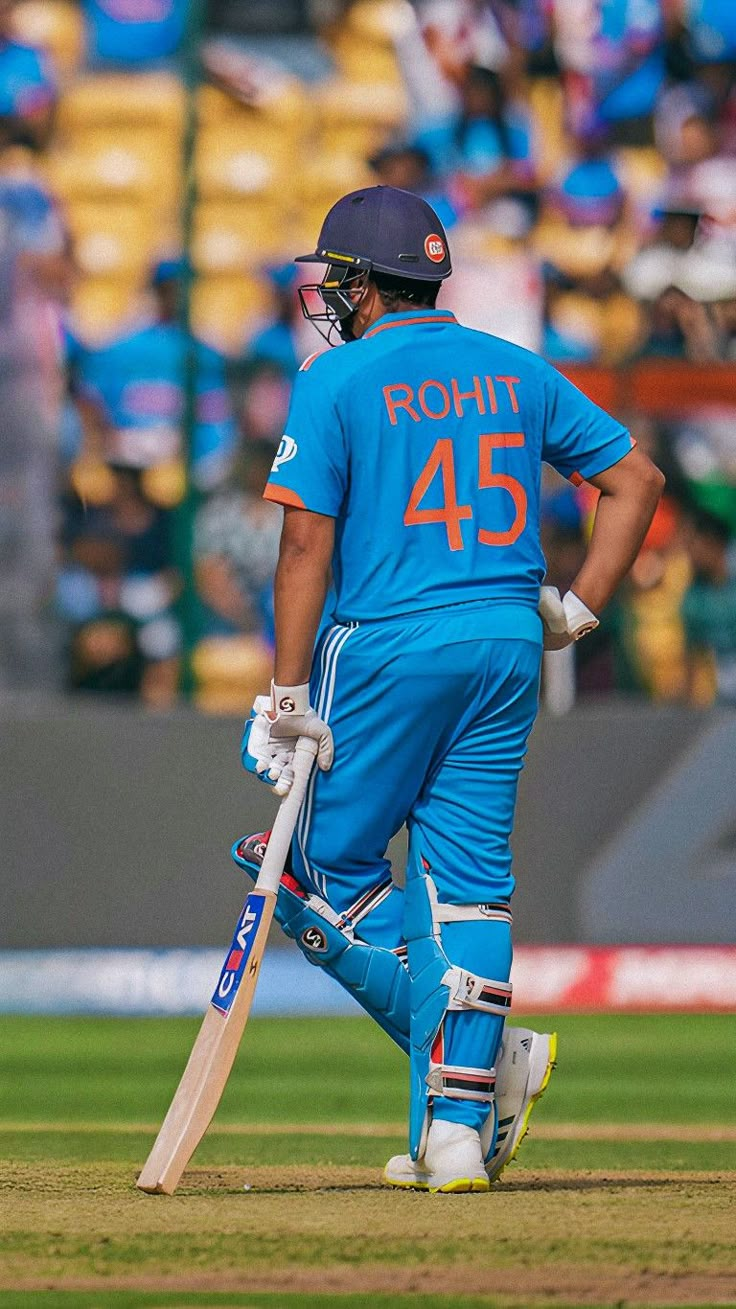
651 1236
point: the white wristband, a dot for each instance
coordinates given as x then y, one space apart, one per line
287 700
580 619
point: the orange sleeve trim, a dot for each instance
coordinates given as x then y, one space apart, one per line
309 361
281 495
577 479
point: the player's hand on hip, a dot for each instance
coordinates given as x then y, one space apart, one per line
272 731
564 620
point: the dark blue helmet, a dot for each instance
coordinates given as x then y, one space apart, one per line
384 229
379 229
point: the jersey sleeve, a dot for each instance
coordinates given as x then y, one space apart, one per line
580 439
310 468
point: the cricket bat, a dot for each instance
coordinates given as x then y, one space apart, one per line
205 1076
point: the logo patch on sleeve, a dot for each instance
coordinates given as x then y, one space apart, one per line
286 451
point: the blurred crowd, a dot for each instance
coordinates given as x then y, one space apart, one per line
582 156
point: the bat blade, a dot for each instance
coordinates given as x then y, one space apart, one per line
213 1053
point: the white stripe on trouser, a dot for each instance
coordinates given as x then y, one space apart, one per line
325 695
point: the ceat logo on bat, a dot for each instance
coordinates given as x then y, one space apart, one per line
236 963
286 451
434 248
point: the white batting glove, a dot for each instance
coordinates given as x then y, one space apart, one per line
278 722
565 620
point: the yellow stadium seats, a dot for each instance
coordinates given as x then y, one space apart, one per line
378 104
331 175
55 26
226 311
577 251
214 106
233 237
622 328
136 162
124 100
363 41
580 317
100 306
92 480
113 240
288 106
320 183
242 158
547 106
165 484
642 171
229 672
377 21
357 118
361 62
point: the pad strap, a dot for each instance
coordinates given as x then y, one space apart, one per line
462 1083
498 912
467 991
493 911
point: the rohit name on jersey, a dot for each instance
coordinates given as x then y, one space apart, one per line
434 399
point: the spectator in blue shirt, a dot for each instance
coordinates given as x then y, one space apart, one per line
712 27
487 147
137 384
27 85
134 33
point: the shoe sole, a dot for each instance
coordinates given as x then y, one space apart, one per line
527 1111
458 1186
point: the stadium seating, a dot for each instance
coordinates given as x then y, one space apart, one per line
112 240
362 41
130 100
135 163
234 236
230 671
101 304
243 156
55 26
226 310
357 118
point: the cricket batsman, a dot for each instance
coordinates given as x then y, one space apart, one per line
410 479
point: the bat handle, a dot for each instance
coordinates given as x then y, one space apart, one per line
279 842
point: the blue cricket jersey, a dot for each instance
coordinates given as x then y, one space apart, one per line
425 441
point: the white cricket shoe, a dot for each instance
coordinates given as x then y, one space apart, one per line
452 1163
528 1059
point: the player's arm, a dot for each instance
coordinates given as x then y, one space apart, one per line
309 478
585 444
300 590
629 494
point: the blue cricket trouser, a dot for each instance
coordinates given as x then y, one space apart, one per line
430 717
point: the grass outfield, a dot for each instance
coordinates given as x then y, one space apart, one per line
624 1194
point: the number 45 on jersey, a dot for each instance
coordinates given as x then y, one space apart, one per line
442 460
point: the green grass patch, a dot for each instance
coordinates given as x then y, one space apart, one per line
251 1149
81 1099
615 1068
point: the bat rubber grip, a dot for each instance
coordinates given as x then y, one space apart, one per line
279 842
